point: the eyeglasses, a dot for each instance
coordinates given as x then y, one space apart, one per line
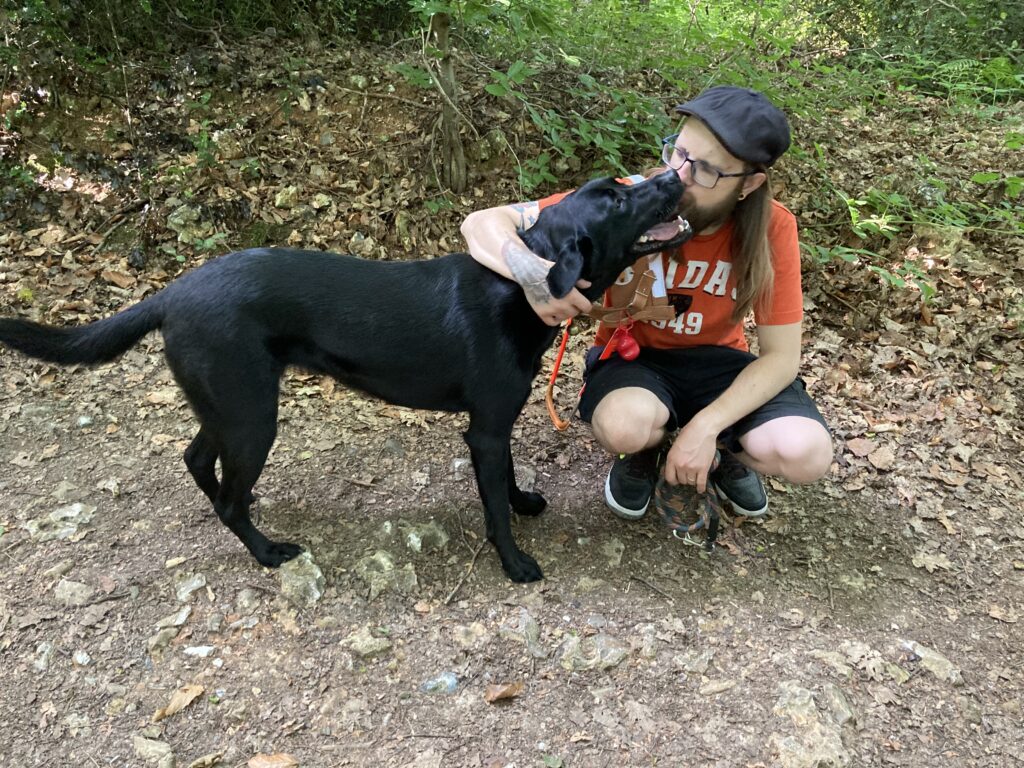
701 173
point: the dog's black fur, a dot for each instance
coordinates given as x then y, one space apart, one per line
443 334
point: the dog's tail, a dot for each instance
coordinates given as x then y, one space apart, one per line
98 342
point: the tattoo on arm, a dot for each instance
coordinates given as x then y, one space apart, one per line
529 270
528 213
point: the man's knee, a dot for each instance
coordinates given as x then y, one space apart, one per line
629 421
797 449
807 462
620 436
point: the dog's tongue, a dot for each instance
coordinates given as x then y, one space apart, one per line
665 231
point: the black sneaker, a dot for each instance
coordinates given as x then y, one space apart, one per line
740 486
630 482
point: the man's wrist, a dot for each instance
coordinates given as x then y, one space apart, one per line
707 422
529 270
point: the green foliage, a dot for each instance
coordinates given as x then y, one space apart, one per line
505 19
582 137
19 175
416 76
437 205
97 29
877 217
944 31
202 140
212 243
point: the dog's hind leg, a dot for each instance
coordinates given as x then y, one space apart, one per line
234 394
201 459
245 450
488 440
527 503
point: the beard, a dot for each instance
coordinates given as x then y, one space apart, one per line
703 217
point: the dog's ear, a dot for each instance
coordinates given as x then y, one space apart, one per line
569 265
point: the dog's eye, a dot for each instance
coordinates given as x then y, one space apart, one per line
617 197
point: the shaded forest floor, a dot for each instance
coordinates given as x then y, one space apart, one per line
871 619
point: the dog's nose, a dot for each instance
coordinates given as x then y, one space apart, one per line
670 177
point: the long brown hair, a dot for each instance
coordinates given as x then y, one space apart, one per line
751 252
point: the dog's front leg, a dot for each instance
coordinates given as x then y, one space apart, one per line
528 503
489 447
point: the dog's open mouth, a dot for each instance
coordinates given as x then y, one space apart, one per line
663 237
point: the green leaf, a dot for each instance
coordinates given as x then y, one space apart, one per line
986 177
572 61
519 72
495 89
414 75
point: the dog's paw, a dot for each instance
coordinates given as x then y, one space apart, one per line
523 569
276 553
529 503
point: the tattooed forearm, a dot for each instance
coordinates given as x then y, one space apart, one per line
529 270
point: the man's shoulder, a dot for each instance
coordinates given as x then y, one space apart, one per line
781 212
782 220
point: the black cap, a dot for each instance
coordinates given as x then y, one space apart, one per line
748 125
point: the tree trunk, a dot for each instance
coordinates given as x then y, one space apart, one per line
453 167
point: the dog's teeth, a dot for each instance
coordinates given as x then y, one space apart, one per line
644 238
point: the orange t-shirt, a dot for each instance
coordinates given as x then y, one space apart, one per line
699 284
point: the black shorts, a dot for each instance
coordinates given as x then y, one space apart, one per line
687 381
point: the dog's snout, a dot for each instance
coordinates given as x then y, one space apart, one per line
666 188
670 179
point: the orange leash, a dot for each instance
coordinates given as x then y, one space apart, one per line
560 424
620 342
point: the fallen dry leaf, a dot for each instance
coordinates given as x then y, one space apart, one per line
498 692
180 699
882 458
1002 614
883 696
120 279
860 447
277 760
162 396
931 561
206 761
949 478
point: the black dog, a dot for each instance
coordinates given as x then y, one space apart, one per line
443 334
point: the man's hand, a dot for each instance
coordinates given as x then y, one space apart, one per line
689 459
556 311
531 272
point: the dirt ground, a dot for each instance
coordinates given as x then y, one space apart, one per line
872 619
